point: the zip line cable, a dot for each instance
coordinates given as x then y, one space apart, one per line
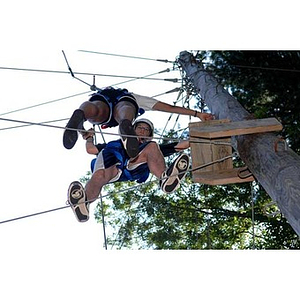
46 124
90 74
43 103
93 87
26 125
128 56
266 68
103 222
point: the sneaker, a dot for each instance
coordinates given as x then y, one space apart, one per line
78 202
171 178
76 122
131 144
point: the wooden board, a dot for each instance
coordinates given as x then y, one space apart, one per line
220 177
227 128
204 152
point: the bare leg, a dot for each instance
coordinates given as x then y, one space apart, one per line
98 180
95 111
124 113
153 157
124 110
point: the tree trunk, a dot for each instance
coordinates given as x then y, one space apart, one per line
276 167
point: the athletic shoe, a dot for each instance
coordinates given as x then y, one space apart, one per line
131 143
78 201
171 178
76 122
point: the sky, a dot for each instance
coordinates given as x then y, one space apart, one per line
50 256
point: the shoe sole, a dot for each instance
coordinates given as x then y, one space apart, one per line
131 144
175 174
70 136
80 209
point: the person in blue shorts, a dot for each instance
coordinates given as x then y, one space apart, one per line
113 164
111 107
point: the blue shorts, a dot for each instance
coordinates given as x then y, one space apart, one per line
111 97
115 154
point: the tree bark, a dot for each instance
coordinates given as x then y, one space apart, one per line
275 166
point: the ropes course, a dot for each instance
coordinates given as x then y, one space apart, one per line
184 95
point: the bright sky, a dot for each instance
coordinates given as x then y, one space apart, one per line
52 256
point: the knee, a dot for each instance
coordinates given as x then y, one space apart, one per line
153 147
124 110
96 111
97 175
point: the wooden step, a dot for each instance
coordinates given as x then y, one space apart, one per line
221 177
225 128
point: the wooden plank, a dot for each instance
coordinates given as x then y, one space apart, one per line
209 130
221 177
203 152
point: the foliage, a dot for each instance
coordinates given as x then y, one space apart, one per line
266 83
216 217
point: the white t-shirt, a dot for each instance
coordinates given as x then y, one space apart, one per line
145 102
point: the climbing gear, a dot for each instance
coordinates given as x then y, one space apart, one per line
112 97
76 122
171 178
78 201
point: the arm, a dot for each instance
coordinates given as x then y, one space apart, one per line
89 146
182 145
161 106
171 148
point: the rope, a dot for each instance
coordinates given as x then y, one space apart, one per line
103 223
252 217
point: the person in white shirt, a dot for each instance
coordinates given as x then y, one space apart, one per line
111 107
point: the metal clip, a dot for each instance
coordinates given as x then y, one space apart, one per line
280 140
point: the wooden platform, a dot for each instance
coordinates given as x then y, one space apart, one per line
210 141
225 128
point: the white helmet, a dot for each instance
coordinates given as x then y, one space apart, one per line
148 122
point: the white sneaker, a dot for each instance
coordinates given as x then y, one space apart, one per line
171 178
78 201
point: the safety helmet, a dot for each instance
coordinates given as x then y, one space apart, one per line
148 122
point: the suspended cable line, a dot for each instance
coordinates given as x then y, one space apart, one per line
90 74
266 68
26 125
143 77
46 124
43 103
127 56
